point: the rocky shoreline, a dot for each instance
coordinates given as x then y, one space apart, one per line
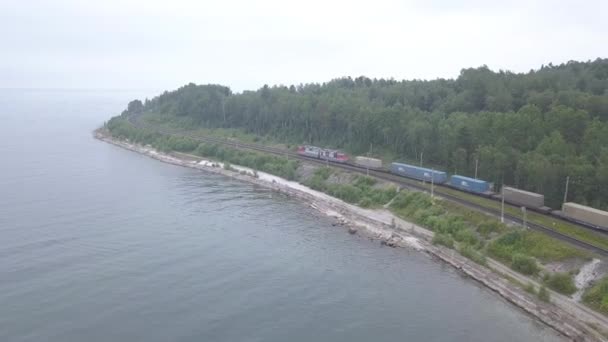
395 232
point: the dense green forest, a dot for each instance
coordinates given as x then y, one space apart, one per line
529 129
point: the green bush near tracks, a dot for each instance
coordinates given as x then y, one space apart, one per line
444 240
534 244
561 282
524 264
530 288
597 296
543 294
278 166
360 192
471 253
420 208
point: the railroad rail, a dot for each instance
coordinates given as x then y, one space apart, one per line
385 175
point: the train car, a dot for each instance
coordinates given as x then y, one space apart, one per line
586 215
309 151
371 163
420 173
323 153
477 186
523 198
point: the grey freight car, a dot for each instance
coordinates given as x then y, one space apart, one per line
596 217
371 163
523 198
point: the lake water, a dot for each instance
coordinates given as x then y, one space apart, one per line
102 244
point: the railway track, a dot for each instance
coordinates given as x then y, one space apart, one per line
404 182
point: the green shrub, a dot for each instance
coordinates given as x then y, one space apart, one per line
466 236
530 288
271 164
597 296
444 240
317 183
359 192
562 283
524 264
470 253
543 294
488 227
366 202
323 172
346 192
411 201
532 244
364 181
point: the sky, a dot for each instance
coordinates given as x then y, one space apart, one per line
243 44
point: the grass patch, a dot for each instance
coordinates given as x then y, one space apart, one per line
471 253
530 288
533 244
444 240
561 282
361 192
281 167
524 264
543 294
597 296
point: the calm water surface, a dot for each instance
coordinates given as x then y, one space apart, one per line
102 244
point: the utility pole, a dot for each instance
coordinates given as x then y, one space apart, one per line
476 164
566 192
502 204
523 210
421 154
432 183
371 149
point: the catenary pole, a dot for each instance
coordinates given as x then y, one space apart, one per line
566 192
432 183
502 204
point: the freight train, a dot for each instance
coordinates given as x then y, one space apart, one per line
323 153
587 216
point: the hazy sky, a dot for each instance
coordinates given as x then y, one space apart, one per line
244 44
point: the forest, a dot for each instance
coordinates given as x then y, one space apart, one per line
528 130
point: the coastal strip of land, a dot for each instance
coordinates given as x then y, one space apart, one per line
566 316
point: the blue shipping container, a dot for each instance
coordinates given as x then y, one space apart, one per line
420 173
470 184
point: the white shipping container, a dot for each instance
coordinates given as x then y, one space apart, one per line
522 197
368 162
586 214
